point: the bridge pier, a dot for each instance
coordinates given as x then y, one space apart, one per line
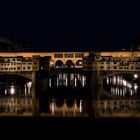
96 89
35 101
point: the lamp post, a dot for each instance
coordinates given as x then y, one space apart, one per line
135 76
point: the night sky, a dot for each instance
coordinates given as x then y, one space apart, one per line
102 25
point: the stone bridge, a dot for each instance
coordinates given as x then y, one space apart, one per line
103 101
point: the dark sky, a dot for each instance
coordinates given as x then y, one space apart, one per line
101 25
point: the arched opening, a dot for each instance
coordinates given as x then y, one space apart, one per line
122 84
69 64
79 64
13 85
59 64
15 89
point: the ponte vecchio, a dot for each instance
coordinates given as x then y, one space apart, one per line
98 84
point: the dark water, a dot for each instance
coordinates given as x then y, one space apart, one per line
60 128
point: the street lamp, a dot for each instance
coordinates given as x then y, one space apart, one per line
135 85
135 75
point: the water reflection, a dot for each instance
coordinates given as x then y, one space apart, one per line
66 107
15 97
65 79
118 106
119 86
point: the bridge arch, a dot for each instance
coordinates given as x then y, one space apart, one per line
25 75
79 63
69 64
105 74
59 64
13 85
122 84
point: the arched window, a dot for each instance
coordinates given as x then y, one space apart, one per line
69 64
59 64
79 64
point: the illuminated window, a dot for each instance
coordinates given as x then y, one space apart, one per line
58 55
70 55
18 59
78 55
34 67
97 57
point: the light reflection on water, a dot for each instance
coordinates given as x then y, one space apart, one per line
63 79
66 106
117 85
15 89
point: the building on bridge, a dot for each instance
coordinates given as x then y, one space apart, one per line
112 62
34 61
